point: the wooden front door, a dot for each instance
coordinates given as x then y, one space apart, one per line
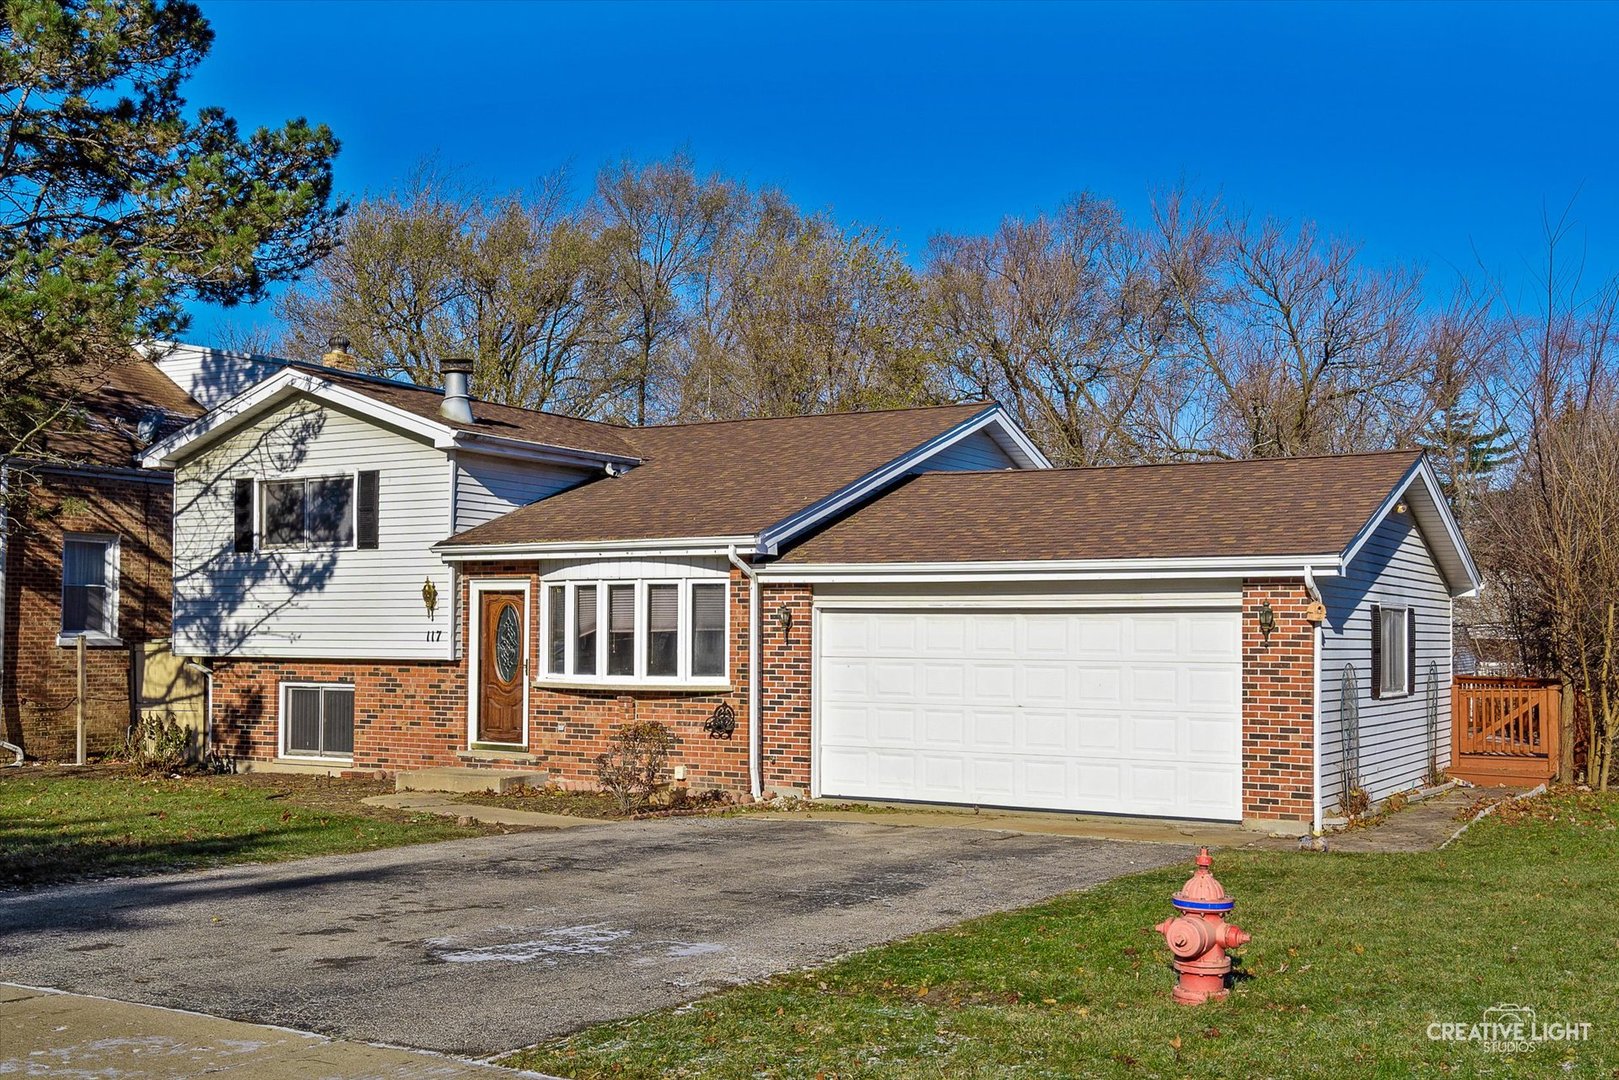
502 667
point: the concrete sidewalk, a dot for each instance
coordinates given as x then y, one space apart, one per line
48 1033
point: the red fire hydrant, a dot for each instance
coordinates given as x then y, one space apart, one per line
1199 936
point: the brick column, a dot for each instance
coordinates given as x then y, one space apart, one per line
785 691
1278 702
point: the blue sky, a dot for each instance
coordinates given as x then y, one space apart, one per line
1437 134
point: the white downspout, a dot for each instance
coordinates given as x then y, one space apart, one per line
1315 695
755 692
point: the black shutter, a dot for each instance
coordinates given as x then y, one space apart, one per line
244 515
1377 651
365 517
1411 650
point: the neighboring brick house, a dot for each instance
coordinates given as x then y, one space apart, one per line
386 577
86 554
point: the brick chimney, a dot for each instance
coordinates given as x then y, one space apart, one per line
337 354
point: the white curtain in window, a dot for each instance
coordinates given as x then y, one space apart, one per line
84 588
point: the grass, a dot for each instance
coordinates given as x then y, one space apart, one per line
60 824
1353 957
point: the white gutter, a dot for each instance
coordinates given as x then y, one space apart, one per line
755 693
1052 569
1315 723
5 535
678 547
207 704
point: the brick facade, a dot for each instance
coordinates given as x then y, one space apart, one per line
39 693
413 714
1278 707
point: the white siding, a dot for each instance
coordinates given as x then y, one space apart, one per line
634 569
211 376
487 487
1396 569
346 604
977 451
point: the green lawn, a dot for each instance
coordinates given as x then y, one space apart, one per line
59 824
1353 957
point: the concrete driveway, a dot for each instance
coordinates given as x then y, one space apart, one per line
477 946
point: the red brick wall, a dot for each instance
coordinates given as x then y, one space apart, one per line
787 664
37 700
407 714
413 714
571 727
1278 726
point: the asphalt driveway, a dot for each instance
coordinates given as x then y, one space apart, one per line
477 946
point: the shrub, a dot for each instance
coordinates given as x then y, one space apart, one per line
1355 803
630 771
157 743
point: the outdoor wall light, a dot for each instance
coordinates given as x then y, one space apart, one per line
1267 620
430 597
784 618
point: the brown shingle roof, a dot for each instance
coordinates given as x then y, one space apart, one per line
105 432
502 421
1292 506
729 478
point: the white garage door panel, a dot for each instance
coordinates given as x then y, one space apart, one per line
1109 712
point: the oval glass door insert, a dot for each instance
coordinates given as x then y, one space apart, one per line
508 643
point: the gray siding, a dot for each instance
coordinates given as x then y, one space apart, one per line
977 451
487 487
1395 569
348 603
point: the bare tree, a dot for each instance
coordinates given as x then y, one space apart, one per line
662 224
1296 347
802 316
1063 319
1550 537
513 281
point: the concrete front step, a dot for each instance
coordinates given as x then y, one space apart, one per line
446 778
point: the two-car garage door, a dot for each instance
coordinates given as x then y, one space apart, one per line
1121 712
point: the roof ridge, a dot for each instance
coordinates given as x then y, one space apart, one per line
985 403
1176 464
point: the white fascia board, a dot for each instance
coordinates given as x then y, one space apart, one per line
1054 570
1013 434
1423 471
663 547
771 539
475 442
222 419
263 396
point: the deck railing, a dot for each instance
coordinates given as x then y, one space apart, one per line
1506 717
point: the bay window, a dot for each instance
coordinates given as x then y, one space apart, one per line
584 631
652 632
663 630
621 629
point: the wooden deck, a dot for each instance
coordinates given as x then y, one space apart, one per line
1504 731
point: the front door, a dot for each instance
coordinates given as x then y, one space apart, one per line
501 667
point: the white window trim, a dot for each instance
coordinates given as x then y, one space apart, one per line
1405 651
113 556
683 679
261 532
474 643
282 728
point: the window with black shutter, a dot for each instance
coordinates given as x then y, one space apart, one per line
365 514
244 515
